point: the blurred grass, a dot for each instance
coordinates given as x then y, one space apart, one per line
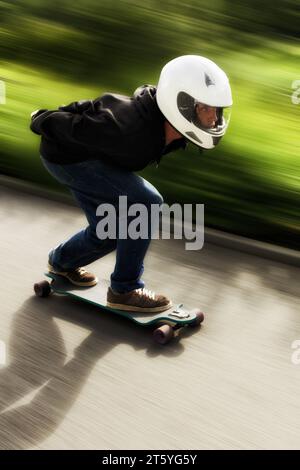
250 184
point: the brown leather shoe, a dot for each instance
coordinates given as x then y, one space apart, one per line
138 300
78 276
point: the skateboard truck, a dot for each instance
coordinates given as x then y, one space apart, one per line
178 312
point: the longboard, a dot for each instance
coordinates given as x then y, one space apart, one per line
168 322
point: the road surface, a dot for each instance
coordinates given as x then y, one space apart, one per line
78 378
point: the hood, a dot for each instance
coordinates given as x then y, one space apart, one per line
145 102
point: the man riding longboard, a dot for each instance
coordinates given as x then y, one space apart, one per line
94 147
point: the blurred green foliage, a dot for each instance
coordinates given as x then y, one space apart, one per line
54 52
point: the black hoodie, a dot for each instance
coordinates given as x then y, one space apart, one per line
125 131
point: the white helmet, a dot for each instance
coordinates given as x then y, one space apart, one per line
185 82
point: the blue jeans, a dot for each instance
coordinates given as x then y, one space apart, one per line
94 182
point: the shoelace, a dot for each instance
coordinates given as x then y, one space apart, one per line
146 292
80 271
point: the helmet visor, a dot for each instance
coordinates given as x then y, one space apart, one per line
212 120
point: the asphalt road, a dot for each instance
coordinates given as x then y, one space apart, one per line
78 378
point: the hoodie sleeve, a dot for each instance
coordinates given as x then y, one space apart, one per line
80 122
38 118
78 107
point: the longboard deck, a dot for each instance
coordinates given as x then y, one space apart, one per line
96 295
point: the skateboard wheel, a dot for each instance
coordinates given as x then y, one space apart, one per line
163 334
199 318
42 289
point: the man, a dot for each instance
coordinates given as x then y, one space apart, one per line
95 146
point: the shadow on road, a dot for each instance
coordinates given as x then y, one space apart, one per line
41 384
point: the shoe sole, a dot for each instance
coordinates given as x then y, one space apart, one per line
82 284
132 308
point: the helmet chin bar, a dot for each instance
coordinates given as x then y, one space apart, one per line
204 141
192 135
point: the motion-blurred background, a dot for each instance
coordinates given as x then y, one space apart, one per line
54 52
